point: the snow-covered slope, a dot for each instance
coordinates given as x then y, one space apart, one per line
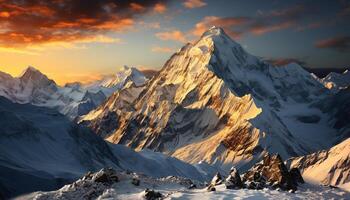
328 166
215 102
126 186
42 150
73 99
335 81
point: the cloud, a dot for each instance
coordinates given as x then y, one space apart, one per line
340 44
160 8
227 23
174 35
261 28
27 23
37 49
194 4
262 23
285 61
162 49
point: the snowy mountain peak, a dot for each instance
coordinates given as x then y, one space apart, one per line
34 75
219 37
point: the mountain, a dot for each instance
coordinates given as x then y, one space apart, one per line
32 86
331 167
43 150
74 99
336 81
116 82
215 102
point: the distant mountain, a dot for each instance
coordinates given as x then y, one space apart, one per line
323 72
73 99
41 149
327 166
336 81
215 102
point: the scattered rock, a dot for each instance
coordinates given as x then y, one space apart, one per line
296 175
217 179
211 188
135 182
152 195
233 181
105 175
192 186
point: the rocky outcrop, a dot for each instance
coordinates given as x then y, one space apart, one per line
217 179
272 172
233 181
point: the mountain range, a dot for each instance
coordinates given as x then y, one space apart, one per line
212 106
212 101
73 99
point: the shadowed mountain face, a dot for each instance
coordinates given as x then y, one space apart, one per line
213 101
41 149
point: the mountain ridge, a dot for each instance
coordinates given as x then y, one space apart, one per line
213 101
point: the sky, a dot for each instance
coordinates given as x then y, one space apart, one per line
82 40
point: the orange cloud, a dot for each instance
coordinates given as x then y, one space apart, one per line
175 35
4 14
194 3
162 49
28 23
341 43
260 29
226 23
137 7
160 8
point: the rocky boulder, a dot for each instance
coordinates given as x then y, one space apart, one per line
105 175
217 179
152 195
233 181
271 172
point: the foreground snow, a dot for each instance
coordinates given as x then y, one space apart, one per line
176 188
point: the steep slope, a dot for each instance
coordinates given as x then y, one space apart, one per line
328 166
213 101
42 150
73 99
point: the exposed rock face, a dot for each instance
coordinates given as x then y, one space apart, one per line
152 195
105 176
211 188
233 181
217 179
271 171
296 175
